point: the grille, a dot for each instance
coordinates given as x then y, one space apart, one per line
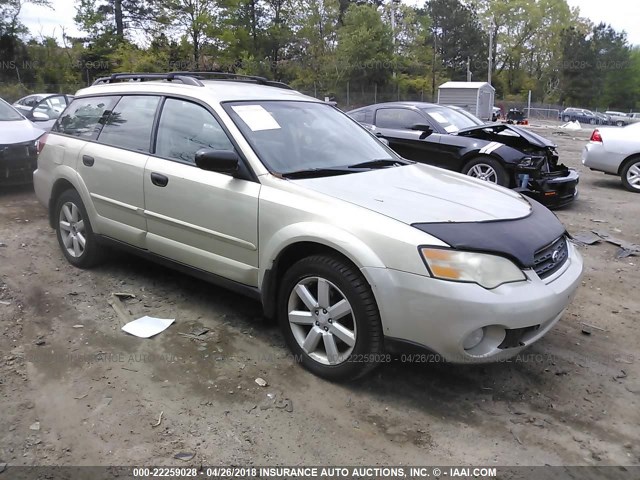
548 260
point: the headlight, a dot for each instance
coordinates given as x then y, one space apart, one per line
488 271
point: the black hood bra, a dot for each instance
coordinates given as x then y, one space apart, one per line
518 239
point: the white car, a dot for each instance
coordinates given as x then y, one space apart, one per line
616 151
284 198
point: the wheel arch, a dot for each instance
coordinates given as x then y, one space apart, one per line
277 259
61 185
627 160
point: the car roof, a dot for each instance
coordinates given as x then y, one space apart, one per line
214 90
402 104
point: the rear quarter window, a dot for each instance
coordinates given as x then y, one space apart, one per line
85 117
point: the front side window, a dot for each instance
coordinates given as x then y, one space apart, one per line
85 116
185 128
131 122
398 118
290 136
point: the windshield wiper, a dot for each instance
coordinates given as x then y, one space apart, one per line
380 163
317 172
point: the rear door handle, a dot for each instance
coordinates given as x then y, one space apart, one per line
159 180
88 161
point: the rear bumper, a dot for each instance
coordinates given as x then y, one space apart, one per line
597 158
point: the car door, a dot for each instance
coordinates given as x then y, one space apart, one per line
204 219
394 124
113 167
52 107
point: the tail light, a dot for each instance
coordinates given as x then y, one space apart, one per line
42 141
596 137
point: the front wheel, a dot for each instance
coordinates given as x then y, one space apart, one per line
330 318
487 169
592 121
566 118
630 175
75 236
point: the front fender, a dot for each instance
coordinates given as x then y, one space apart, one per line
330 236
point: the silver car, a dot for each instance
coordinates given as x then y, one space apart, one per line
616 151
19 143
251 185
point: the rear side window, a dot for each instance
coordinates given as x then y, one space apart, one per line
363 116
130 123
185 128
85 116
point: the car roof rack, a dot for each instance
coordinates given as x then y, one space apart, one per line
188 78
233 76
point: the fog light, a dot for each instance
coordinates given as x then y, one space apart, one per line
473 339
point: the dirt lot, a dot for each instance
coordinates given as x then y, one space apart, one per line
75 390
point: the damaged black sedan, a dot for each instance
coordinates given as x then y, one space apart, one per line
454 139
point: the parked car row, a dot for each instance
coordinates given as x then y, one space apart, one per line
597 118
282 197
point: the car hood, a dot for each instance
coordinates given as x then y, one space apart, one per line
495 129
18 131
423 194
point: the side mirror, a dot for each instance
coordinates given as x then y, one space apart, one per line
40 117
425 129
221 161
383 140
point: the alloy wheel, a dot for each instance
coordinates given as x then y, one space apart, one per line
321 320
484 172
633 175
72 229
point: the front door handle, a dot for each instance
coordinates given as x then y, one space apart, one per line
159 180
88 161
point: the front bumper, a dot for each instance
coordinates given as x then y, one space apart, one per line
17 163
439 315
554 191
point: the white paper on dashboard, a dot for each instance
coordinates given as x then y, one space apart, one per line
256 117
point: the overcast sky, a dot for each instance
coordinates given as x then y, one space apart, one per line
621 14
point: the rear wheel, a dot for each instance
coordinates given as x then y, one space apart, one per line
75 236
620 123
630 175
329 318
487 169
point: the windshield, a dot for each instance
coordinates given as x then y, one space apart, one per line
290 136
450 119
8 113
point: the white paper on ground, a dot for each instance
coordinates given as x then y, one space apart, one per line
256 117
146 326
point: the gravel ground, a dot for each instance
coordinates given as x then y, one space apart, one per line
75 390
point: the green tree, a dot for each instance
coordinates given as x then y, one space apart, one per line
365 47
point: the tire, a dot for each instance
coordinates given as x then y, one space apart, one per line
335 349
566 118
619 123
630 174
488 169
592 121
72 228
